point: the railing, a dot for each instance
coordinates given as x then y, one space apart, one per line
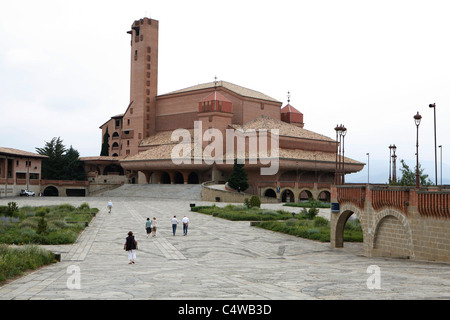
354 195
399 199
434 204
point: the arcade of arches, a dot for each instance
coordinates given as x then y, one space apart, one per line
296 195
172 177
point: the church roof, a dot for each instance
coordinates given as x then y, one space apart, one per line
245 92
285 129
290 109
215 96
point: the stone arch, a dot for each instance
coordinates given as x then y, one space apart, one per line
324 195
178 178
287 194
193 178
392 236
270 193
305 195
339 221
165 178
51 191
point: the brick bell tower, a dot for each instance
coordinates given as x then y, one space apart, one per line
139 119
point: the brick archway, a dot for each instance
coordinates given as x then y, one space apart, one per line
392 235
339 220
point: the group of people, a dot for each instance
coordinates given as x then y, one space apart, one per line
150 226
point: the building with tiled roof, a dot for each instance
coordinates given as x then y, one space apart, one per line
19 170
181 136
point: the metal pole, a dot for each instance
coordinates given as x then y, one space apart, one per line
390 161
368 168
435 143
440 147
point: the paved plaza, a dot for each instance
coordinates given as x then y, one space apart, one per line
218 259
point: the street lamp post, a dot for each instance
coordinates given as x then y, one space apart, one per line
390 162
440 148
417 119
433 105
394 164
338 130
343 133
368 168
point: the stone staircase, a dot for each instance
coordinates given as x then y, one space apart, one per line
157 191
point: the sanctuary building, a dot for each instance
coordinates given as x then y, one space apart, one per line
181 137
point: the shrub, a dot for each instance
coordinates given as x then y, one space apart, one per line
84 206
321 222
14 261
42 226
41 212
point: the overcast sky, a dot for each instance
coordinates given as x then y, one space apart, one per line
369 65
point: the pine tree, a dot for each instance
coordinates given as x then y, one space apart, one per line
105 145
62 163
238 179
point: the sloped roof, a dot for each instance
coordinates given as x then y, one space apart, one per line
285 129
17 152
290 109
215 96
245 92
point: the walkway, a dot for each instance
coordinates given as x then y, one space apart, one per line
219 259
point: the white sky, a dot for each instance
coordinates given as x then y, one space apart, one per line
370 65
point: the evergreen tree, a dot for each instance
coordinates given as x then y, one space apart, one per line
62 163
73 167
53 166
238 179
105 145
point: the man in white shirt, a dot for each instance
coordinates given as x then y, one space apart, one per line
174 224
185 225
110 205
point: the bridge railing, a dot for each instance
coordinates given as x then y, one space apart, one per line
434 204
352 194
396 197
431 202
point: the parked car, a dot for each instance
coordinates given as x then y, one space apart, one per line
27 193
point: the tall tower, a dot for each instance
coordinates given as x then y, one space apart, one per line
139 119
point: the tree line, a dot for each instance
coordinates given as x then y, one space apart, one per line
62 163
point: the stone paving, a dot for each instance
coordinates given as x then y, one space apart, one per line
217 260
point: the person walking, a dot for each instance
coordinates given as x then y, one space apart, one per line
130 246
109 206
154 225
185 225
148 227
174 224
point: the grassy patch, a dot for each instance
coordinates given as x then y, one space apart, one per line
45 225
15 261
308 204
315 229
304 225
242 213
